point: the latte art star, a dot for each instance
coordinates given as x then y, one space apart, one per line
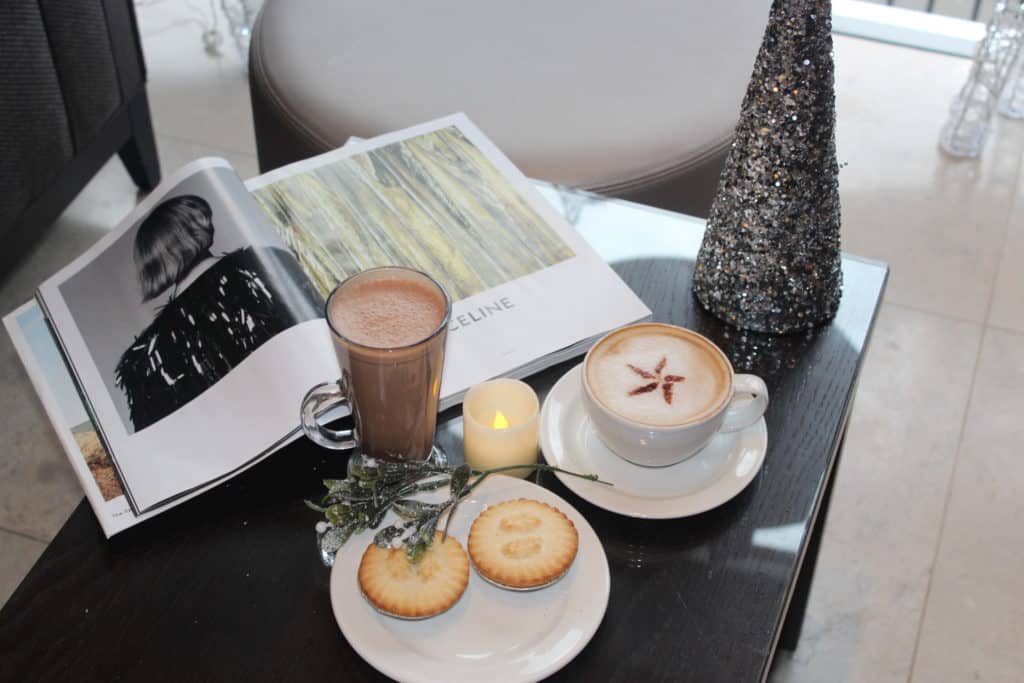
666 382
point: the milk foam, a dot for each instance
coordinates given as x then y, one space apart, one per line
388 312
615 384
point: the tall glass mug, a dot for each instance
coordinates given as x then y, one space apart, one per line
389 327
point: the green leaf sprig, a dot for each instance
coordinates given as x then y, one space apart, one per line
373 487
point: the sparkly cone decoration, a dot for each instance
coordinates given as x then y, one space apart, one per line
770 258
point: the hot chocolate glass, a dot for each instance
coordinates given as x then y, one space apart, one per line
389 327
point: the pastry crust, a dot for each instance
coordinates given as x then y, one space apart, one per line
414 591
522 544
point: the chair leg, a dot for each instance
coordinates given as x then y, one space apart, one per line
139 153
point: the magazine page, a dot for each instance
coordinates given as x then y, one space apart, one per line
193 334
441 198
64 407
52 381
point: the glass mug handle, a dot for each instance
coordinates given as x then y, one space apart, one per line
319 399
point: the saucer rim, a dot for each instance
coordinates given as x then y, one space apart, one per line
633 506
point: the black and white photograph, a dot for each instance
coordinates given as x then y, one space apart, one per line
184 296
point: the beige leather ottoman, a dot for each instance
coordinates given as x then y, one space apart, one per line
632 99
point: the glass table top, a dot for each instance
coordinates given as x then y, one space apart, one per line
234 579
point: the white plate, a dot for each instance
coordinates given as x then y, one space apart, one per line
708 479
491 634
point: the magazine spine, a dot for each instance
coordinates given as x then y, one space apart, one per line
86 402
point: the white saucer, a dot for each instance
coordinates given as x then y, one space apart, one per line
490 634
708 479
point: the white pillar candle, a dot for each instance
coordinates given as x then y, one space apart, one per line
500 425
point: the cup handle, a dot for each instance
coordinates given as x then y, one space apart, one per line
319 399
740 415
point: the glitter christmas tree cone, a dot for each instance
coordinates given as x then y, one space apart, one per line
770 258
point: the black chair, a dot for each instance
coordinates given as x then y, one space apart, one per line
72 93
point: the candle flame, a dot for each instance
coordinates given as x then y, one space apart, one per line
500 421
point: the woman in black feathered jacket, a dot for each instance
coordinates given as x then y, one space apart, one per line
212 312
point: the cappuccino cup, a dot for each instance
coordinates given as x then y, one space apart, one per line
657 393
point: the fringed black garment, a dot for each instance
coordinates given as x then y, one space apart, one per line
228 312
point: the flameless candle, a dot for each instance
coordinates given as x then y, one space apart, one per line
500 425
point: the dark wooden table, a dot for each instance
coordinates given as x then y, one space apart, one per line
230 586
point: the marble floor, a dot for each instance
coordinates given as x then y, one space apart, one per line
921 576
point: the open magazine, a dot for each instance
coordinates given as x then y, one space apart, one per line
191 331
